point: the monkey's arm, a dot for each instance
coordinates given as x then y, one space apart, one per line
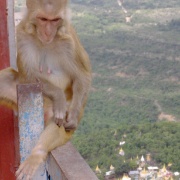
80 91
59 101
8 82
81 83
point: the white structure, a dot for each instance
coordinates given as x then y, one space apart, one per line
109 173
121 152
176 173
122 143
150 168
142 159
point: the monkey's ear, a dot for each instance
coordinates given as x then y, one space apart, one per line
29 28
30 3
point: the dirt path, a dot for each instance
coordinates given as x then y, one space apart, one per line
163 115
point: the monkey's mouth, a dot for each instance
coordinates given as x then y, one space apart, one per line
46 40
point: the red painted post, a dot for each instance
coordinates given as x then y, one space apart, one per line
8 160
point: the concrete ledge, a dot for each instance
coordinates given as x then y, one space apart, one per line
63 163
70 163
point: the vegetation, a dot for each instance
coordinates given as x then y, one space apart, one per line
135 81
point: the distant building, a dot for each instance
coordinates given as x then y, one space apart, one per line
122 143
142 159
151 168
148 157
134 175
142 162
164 169
112 168
121 152
126 177
176 173
98 171
110 175
144 173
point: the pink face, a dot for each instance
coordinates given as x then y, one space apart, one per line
47 28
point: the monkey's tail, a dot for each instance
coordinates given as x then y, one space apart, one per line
8 82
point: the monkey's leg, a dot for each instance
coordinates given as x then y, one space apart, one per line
52 137
8 82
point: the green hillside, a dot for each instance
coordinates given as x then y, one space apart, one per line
136 78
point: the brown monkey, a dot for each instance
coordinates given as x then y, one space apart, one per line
49 51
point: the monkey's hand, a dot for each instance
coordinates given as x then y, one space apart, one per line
72 120
59 110
28 168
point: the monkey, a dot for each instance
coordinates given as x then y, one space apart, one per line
50 52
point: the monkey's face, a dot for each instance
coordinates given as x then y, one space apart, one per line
47 28
47 17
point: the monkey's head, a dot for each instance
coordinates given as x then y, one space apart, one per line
46 18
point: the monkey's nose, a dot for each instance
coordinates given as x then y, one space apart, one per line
48 34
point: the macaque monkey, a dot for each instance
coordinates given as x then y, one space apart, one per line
49 52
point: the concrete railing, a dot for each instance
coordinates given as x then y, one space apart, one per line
63 163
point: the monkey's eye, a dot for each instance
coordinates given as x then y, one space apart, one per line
43 19
56 20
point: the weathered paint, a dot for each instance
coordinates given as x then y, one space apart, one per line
11 32
31 121
54 169
7 135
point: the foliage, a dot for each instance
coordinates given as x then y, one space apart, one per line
135 79
139 4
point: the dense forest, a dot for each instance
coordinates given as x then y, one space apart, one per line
136 82
134 47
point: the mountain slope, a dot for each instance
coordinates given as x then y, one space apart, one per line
136 77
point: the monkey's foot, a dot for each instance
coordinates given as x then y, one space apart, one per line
70 125
28 168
